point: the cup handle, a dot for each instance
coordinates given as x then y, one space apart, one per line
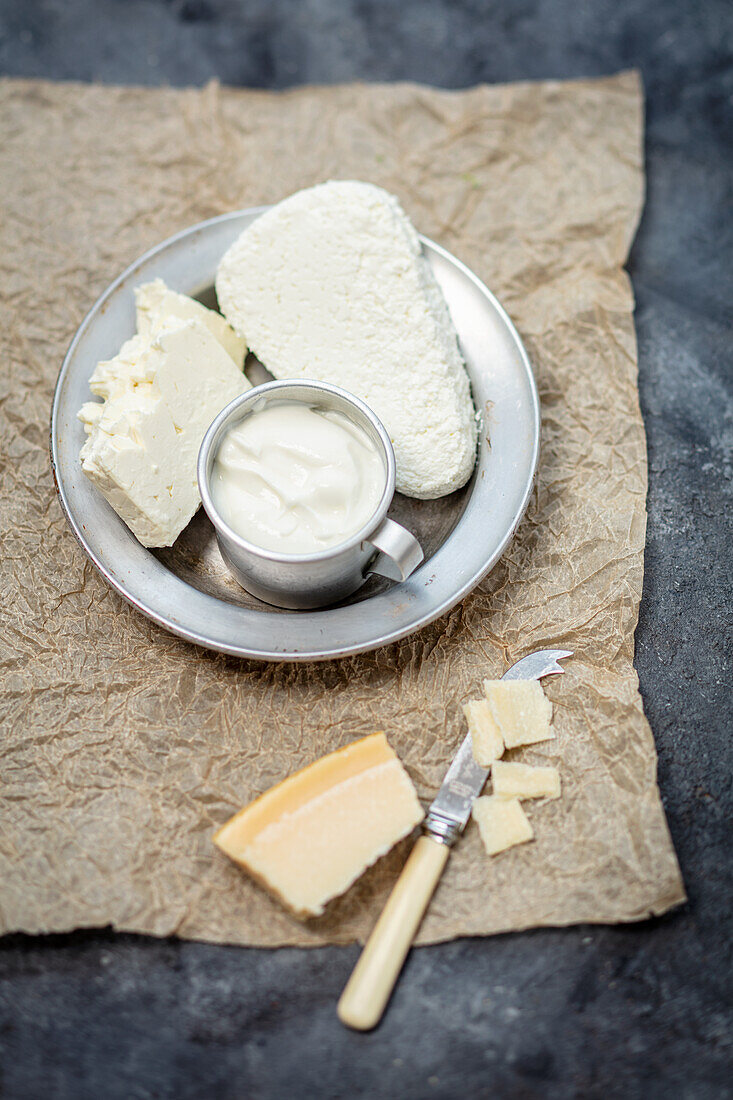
399 552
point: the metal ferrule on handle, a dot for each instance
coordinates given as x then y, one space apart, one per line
441 829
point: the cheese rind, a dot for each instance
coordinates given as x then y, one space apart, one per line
520 710
502 823
524 781
486 740
310 837
332 284
143 442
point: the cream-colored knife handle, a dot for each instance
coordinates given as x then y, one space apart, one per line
369 987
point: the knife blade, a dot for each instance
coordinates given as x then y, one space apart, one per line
449 812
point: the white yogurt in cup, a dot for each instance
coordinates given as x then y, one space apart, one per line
297 477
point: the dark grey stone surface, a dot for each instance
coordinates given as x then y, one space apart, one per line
641 1011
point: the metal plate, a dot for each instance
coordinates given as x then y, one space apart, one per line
187 589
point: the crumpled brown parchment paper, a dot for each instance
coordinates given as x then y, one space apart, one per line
123 747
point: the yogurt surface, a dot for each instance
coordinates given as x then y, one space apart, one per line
295 479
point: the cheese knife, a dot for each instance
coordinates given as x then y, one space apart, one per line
369 988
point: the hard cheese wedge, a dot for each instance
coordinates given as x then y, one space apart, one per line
310 837
486 740
520 710
502 823
524 781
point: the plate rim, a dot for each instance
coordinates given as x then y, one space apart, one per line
283 656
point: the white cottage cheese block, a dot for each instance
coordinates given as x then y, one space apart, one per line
156 305
332 284
143 442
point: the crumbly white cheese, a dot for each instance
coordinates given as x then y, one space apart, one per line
521 711
332 284
112 377
143 442
158 305
486 740
502 823
523 781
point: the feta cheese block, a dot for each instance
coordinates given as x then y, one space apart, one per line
143 441
523 781
502 823
310 837
156 305
158 308
486 740
112 377
332 284
521 711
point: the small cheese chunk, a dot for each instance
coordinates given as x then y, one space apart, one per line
520 710
156 305
486 740
332 284
143 442
502 823
524 781
310 837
